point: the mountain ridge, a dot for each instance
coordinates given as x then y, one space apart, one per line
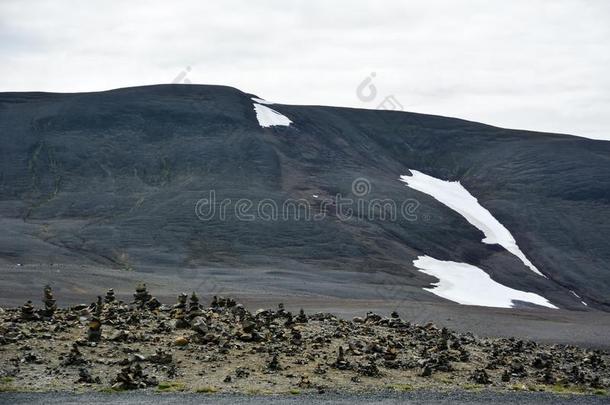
113 178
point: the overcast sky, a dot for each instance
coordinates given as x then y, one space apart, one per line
540 65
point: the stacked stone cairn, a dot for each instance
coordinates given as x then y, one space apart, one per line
141 296
143 299
27 312
194 309
50 305
179 312
110 297
94 334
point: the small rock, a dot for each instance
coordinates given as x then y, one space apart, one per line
274 364
426 371
181 341
480 376
85 377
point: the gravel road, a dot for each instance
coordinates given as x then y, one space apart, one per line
415 397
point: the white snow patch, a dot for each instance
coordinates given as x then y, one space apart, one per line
578 296
267 117
469 285
261 101
456 197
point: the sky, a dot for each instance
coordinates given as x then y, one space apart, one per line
536 64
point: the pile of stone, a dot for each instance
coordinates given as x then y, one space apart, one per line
480 376
133 377
143 299
161 357
84 376
110 297
74 357
50 305
179 312
341 363
156 339
28 313
94 332
194 309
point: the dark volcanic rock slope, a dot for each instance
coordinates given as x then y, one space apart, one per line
114 177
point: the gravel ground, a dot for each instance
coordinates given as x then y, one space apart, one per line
252 287
415 397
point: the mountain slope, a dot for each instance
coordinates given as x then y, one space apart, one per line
114 178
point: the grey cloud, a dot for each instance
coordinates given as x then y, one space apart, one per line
539 65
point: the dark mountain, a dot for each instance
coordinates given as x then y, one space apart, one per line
113 178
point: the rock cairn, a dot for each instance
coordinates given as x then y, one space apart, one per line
141 296
110 297
50 305
74 357
179 312
27 312
181 304
194 309
341 363
301 318
94 333
133 377
143 299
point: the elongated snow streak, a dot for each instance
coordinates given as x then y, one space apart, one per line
469 285
578 296
267 117
456 197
